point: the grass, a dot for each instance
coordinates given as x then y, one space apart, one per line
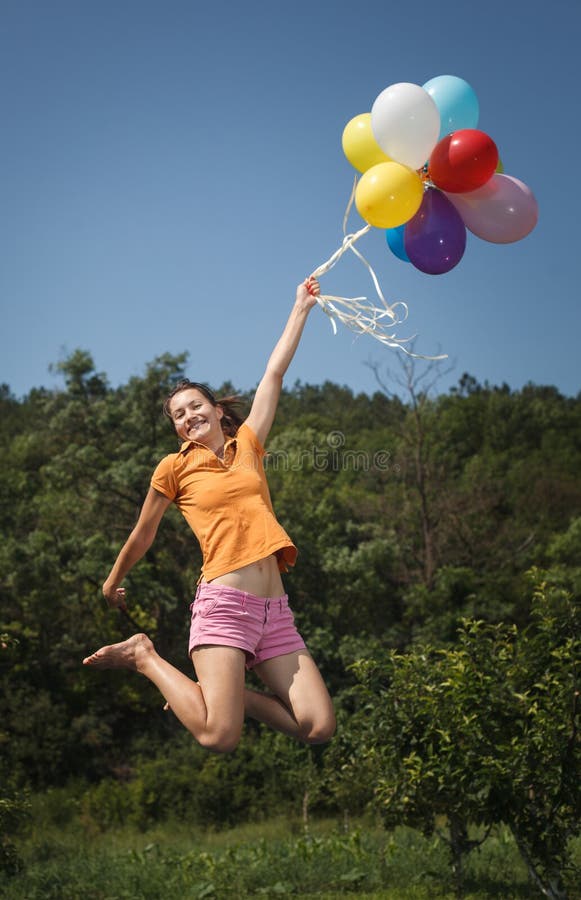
268 859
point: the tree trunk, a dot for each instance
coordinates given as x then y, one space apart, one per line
459 847
422 489
550 885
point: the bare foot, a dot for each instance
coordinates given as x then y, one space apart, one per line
125 655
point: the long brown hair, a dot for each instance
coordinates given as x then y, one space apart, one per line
231 420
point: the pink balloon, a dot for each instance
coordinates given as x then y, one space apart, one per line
502 211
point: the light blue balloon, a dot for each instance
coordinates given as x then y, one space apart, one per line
456 101
394 238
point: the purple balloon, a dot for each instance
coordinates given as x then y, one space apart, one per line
435 238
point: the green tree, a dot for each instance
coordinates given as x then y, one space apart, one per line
481 733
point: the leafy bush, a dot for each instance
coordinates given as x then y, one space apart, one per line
14 817
186 783
484 732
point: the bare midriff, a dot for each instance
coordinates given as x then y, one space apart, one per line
261 578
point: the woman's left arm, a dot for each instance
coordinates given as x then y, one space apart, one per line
265 401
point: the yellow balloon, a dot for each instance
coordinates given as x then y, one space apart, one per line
499 167
359 145
388 195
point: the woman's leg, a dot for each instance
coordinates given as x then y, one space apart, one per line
301 706
213 710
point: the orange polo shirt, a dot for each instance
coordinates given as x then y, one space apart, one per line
226 503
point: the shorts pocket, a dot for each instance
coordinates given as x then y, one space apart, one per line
204 606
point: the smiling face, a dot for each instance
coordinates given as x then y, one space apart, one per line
195 418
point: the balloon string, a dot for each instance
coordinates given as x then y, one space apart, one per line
357 313
348 241
369 267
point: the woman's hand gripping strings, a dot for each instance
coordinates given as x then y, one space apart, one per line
307 292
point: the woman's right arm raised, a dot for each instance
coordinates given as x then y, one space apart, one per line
136 546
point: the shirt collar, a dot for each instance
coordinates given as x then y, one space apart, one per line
196 444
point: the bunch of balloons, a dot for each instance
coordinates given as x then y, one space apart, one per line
428 174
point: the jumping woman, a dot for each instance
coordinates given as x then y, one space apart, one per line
240 616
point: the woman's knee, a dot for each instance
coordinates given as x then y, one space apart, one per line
320 729
223 740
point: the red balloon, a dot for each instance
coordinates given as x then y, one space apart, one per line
463 161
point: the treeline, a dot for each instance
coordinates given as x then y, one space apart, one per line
439 544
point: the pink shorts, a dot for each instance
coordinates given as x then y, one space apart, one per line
264 627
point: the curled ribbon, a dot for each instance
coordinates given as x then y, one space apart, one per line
357 313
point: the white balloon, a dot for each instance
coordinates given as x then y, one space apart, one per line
406 123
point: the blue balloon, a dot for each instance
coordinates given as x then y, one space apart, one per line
394 238
456 101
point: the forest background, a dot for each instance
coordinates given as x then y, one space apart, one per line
437 584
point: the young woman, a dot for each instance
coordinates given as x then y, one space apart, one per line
240 617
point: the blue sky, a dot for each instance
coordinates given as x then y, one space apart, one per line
170 170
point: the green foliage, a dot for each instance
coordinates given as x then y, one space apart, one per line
186 784
410 515
483 732
14 816
326 861
543 760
